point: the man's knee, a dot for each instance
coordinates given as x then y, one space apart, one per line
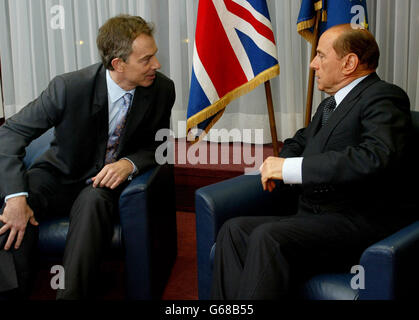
272 235
94 204
263 233
232 228
95 194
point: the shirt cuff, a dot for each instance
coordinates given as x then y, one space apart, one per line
14 195
134 171
292 170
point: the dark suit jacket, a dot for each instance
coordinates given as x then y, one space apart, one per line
76 104
353 162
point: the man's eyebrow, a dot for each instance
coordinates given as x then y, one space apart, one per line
149 55
146 57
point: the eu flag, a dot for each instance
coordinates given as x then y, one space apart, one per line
333 12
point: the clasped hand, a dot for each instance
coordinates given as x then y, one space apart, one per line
270 170
113 174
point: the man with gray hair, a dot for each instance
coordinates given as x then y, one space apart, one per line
105 118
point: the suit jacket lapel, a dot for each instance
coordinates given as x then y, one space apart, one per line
100 112
345 106
100 97
140 106
316 123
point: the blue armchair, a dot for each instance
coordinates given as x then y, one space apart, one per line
391 265
145 237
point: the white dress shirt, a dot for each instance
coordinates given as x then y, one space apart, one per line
115 101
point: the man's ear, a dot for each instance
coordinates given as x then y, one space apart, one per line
350 63
118 64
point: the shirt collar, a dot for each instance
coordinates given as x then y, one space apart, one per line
342 93
115 92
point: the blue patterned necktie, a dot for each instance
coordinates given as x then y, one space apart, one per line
329 106
115 137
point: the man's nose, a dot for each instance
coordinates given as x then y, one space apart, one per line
313 64
156 64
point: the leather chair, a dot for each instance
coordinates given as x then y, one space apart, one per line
391 265
145 237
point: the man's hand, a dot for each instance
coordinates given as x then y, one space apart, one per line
15 217
271 169
112 175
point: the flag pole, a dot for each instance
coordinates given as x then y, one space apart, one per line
311 72
271 114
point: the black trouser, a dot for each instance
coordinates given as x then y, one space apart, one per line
92 213
265 257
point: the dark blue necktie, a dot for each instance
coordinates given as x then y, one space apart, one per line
329 104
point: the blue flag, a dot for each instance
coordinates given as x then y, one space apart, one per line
333 12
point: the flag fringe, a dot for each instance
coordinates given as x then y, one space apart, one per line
303 29
219 106
304 26
318 5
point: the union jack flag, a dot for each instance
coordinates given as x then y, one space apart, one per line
234 52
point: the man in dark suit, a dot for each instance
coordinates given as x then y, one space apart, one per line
105 119
337 180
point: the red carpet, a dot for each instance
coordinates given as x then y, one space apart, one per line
183 282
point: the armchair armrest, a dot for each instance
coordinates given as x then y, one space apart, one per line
139 183
216 203
391 266
239 196
148 221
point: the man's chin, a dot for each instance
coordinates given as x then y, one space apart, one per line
319 86
146 83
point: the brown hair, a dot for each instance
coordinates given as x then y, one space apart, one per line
360 42
116 36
